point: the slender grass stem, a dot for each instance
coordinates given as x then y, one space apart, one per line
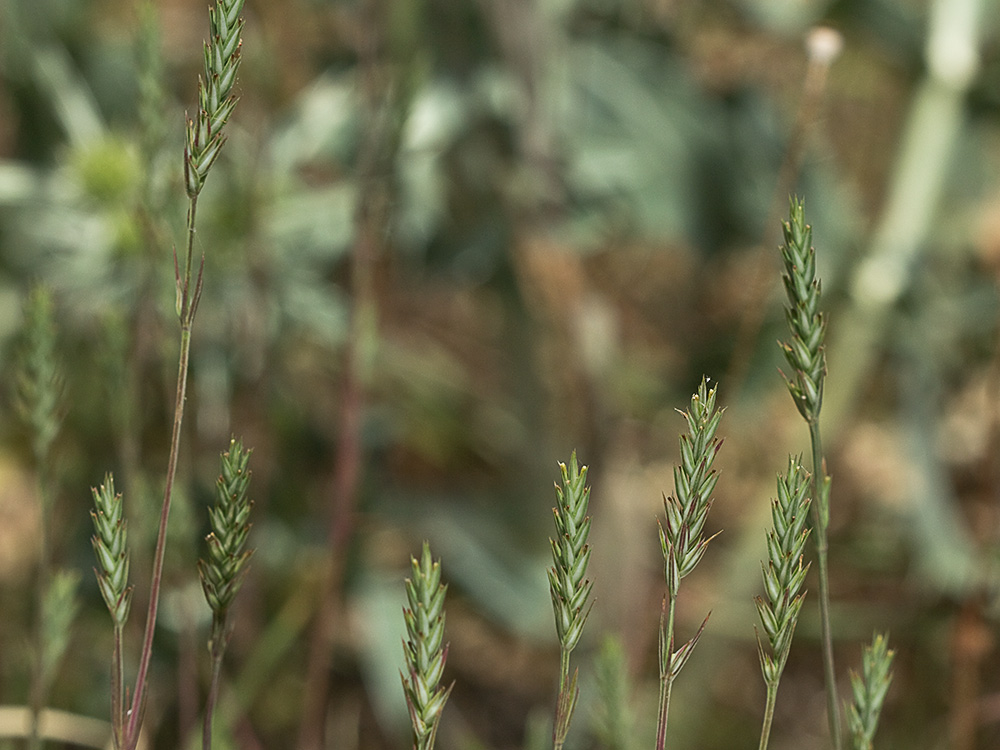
563 669
562 719
821 519
187 306
772 696
765 730
117 688
139 696
666 676
213 690
42 577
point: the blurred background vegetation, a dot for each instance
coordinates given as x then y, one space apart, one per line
448 242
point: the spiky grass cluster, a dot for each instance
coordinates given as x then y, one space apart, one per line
568 583
783 576
216 100
869 690
424 649
784 571
39 381
682 538
111 549
804 351
222 574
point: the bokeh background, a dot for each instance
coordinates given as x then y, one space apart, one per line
447 243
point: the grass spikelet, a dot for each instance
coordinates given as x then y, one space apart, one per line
804 351
216 100
682 539
568 584
111 548
783 575
424 649
869 690
39 381
223 573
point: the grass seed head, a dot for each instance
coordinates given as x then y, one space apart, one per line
568 583
111 549
223 572
804 351
424 649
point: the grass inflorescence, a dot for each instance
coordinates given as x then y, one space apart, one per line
216 101
223 573
110 543
569 586
424 648
806 355
784 574
220 575
868 690
682 534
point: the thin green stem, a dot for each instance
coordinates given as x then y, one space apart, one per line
187 300
563 669
666 674
821 517
37 688
40 682
772 699
562 722
218 649
117 689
